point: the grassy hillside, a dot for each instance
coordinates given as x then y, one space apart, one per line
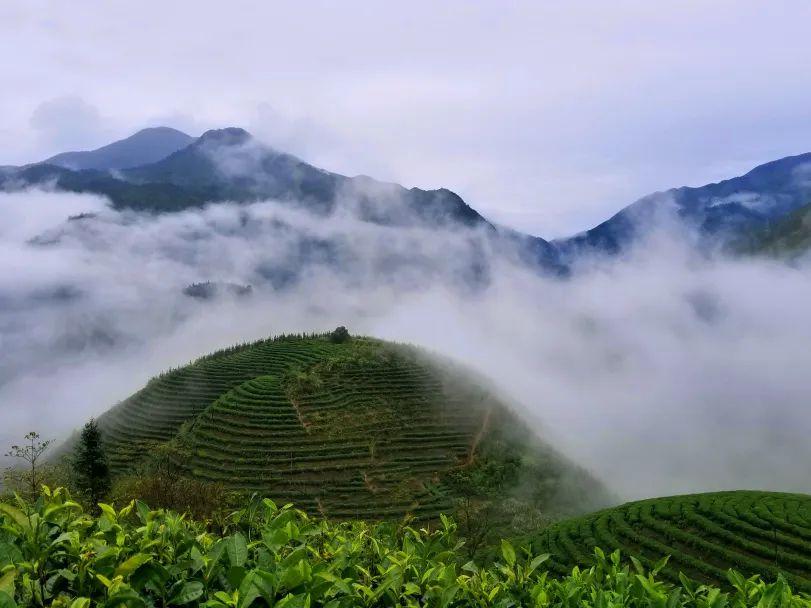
705 534
362 429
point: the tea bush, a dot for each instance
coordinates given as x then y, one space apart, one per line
54 554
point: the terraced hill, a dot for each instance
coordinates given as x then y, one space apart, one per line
357 429
704 535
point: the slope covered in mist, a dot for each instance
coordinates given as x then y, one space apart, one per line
697 363
664 336
230 165
788 237
719 212
163 170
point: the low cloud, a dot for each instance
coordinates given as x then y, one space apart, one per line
68 122
662 371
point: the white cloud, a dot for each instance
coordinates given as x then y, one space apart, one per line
662 372
69 123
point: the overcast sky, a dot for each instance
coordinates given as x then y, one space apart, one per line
547 116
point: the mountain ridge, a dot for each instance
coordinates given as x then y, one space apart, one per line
228 164
144 146
720 210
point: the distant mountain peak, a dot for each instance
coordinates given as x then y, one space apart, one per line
230 136
720 213
145 146
230 165
159 129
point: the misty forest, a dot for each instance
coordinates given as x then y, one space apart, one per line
432 304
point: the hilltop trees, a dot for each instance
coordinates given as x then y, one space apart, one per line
30 475
90 469
339 335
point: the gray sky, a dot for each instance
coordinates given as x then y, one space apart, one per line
547 116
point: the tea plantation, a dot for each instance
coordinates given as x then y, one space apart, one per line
356 429
53 554
763 533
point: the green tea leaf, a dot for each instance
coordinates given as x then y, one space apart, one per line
6 601
537 561
237 549
143 511
7 581
17 516
508 552
188 592
132 564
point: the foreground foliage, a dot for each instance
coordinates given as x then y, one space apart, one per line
54 554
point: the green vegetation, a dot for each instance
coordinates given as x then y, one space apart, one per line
53 554
340 335
761 533
28 477
788 237
89 463
345 428
356 430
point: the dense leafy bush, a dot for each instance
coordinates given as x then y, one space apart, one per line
54 554
209 501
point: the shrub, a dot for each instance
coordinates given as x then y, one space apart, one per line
203 500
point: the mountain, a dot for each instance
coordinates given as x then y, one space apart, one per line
721 211
162 170
230 165
787 237
145 146
345 427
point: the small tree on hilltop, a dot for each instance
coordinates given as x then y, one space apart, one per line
340 335
90 468
29 477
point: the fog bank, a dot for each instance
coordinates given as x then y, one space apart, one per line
662 372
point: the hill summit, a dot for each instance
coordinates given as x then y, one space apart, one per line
145 146
347 428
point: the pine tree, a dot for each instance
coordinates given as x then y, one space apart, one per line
90 467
